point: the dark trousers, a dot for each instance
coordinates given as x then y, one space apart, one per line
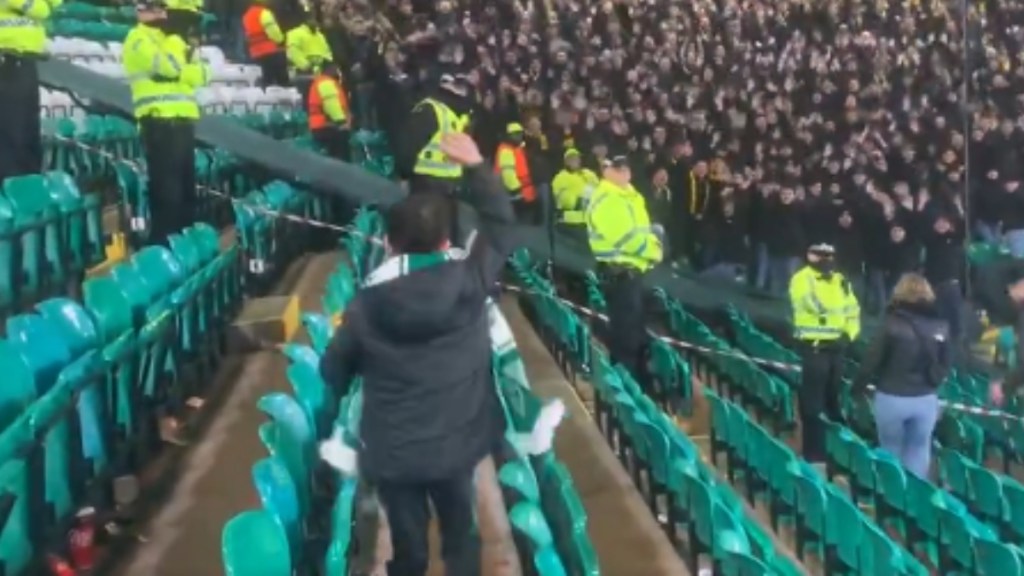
274 70
949 300
627 326
528 213
820 389
335 142
21 147
408 511
169 146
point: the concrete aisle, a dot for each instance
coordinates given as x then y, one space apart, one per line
183 537
628 540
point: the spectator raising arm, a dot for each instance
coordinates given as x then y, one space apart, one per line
492 203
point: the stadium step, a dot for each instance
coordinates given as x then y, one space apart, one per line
210 482
626 536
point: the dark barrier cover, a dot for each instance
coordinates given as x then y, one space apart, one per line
325 176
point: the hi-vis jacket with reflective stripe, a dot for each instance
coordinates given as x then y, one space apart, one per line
163 80
22 22
619 228
824 307
573 189
307 49
431 161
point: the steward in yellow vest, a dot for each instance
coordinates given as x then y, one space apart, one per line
164 73
22 43
826 319
308 51
625 245
572 188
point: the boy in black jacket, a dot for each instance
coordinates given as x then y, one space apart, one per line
421 342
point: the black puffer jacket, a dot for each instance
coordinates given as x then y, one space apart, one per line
910 354
422 345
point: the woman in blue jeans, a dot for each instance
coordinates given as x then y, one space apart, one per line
907 360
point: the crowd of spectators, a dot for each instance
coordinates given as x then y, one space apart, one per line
754 128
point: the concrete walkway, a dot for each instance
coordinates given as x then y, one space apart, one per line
183 537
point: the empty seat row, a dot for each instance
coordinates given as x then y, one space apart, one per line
824 517
50 234
663 462
88 382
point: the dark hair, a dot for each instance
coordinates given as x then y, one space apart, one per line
419 223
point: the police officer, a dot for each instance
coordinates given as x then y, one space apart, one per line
308 51
826 319
625 246
329 119
165 72
266 44
421 159
572 188
22 43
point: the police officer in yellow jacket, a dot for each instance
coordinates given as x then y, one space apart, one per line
626 246
22 43
419 157
572 188
826 319
307 50
164 72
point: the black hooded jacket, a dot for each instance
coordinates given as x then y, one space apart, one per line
422 346
910 354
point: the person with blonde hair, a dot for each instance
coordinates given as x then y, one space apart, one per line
908 358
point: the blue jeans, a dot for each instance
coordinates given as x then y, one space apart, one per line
1014 242
780 271
905 425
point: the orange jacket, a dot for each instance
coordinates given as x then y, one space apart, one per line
260 44
522 171
315 106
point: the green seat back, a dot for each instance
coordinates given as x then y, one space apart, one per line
517 477
255 544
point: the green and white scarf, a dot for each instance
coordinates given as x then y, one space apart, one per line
531 423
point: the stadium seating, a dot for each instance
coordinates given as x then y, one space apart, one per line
548 520
663 461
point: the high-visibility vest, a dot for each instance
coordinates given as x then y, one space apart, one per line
256 36
572 191
323 89
22 29
431 161
619 228
824 306
163 81
510 163
307 49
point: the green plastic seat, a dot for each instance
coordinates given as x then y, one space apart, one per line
293 441
997 558
37 218
1013 492
891 491
278 494
844 531
255 544
812 501
519 482
953 468
19 388
959 532
740 564
16 546
82 222
986 494
532 530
